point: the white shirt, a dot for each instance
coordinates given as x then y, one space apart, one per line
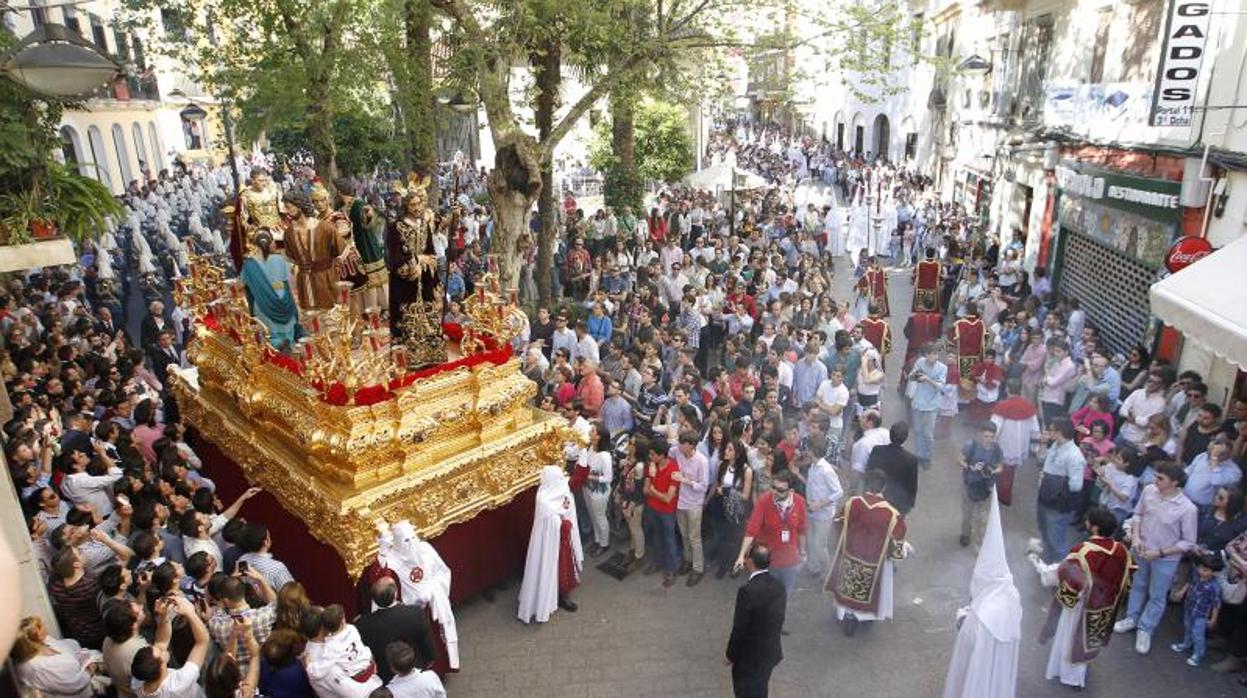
417 684
328 678
870 438
347 648
587 347
59 674
178 683
194 545
81 488
834 395
1143 406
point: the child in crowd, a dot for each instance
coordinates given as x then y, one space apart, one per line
1203 605
1119 482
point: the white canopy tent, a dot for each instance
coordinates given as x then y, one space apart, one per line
718 178
1207 302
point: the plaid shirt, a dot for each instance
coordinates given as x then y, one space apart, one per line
221 627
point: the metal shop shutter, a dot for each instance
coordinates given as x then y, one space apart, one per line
1112 288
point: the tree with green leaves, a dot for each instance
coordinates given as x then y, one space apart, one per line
281 62
660 142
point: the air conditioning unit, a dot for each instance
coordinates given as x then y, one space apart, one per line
1194 193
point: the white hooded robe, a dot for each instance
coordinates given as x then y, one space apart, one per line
539 592
424 579
985 656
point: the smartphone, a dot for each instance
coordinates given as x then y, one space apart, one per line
242 566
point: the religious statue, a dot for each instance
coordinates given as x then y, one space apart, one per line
266 276
415 297
312 245
346 266
367 246
259 206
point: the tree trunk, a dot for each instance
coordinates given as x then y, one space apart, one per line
626 189
513 186
319 128
416 88
548 66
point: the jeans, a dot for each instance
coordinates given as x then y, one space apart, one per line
924 433
1196 637
597 510
787 575
690 531
635 514
662 543
820 536
1150 592
974 517
1054 530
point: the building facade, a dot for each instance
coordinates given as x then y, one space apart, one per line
1093 128
150 116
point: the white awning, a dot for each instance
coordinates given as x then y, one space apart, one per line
1207 302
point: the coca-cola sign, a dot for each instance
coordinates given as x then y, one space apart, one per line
1185 251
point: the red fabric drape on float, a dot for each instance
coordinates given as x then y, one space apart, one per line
481 552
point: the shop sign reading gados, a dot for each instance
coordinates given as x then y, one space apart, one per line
1185 251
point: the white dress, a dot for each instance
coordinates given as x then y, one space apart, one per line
978 655
59 674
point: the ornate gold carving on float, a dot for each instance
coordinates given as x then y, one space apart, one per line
437 450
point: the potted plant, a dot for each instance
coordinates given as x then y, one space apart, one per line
78 204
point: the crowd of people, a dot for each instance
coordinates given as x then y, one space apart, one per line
727 397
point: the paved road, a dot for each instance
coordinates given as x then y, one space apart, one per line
636 638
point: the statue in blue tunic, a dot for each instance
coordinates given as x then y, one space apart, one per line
266 277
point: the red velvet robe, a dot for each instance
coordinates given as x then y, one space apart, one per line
876 331
927 287
875 283
970 339
872 531
1104 564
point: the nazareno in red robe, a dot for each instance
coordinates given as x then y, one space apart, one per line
1103 564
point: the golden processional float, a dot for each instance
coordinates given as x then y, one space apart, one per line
341 431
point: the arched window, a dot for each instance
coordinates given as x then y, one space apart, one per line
99 156
158 155
194 127
71 147
123 158
145 165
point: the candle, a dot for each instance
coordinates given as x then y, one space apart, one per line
344 293
179 285
515 297
480 293
309 349
374 318
400 357
501 310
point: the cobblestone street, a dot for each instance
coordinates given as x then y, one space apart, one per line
636 638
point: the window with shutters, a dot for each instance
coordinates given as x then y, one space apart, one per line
1138 60
1036 45
1100 48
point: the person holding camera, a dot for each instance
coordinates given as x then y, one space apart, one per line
981 461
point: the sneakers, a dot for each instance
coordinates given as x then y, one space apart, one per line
1191 661
1124 625
1143 642
694 579
1179 647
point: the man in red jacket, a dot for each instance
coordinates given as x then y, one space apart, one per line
778 521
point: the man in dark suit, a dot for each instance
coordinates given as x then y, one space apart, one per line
754 649
164 354
394 621
153 324
899 467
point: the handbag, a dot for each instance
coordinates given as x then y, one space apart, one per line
1054 493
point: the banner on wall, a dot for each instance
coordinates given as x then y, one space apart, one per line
1181 60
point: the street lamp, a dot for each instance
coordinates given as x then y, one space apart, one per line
54 61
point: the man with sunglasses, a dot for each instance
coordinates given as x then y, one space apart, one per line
778 521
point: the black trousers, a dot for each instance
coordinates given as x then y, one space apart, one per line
751 681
